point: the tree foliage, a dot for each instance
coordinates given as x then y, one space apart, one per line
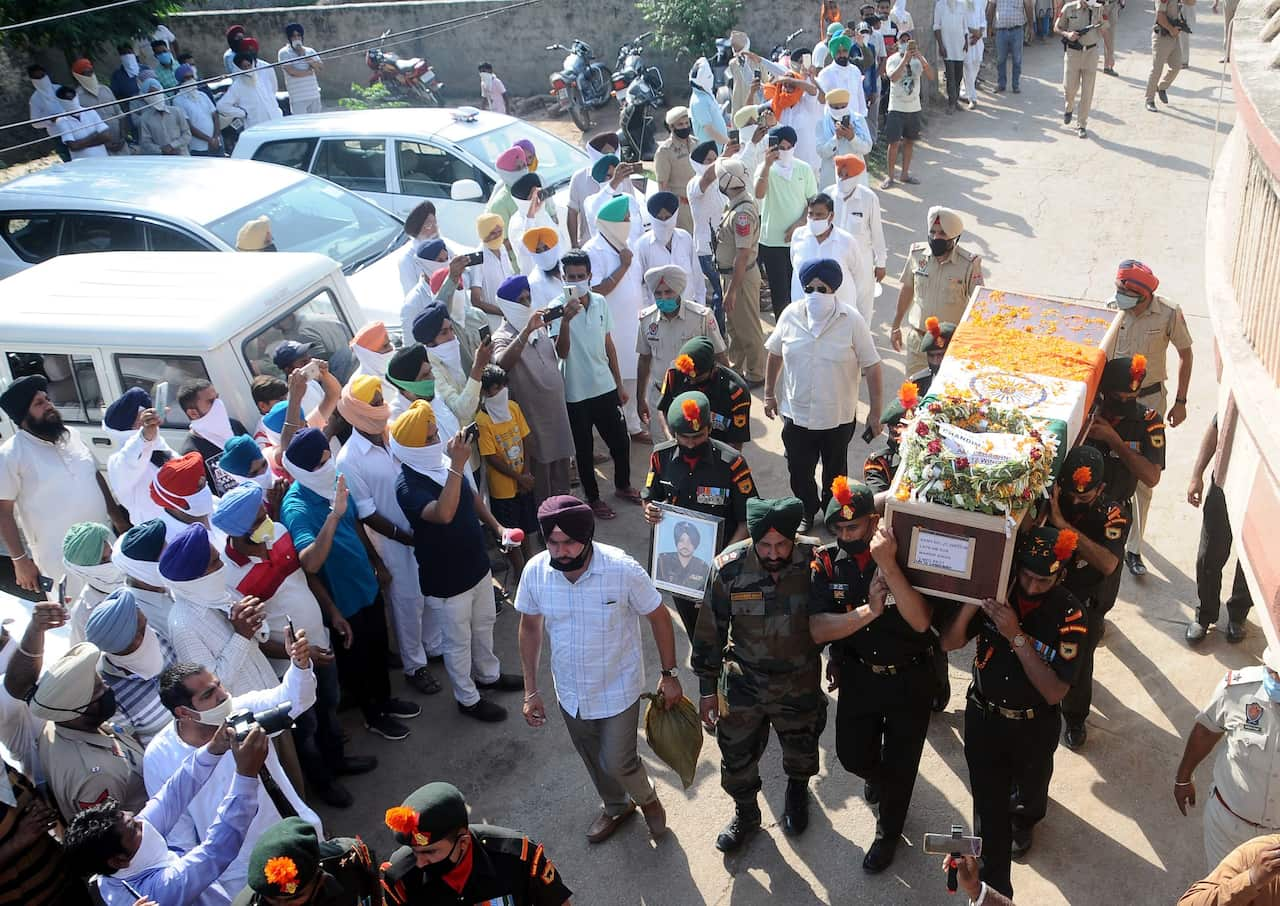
689 27
369 97
79 34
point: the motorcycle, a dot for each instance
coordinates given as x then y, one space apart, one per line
642 95
411 79
781 50
582 84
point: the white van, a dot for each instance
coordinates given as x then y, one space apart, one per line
97 324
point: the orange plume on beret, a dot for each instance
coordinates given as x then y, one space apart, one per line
840 490
932 325
684 365
692 413
283 873
909 395
402 820
1082 477
1138 369
1066 544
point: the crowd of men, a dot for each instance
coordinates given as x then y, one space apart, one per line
223 600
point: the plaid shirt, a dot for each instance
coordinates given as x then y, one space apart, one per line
1010 14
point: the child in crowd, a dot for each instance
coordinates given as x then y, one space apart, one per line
502 433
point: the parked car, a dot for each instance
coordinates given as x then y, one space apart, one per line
396 157
179 204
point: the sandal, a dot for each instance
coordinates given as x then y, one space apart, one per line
630 495
602 510
910 180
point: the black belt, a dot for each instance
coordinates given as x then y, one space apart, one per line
1011 27
1150 389
893 669
1009 713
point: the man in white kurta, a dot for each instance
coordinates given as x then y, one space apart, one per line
858 214
821 238
665 243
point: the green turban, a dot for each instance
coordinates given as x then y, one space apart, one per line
838 43
82 544
782 513
615 210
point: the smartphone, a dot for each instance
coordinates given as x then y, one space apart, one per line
292 635
544 194
734 135
552 313
867 436
471 432
629 155
46 585
160 398
774 141
911 46
954 843
844 121
485 335
474 258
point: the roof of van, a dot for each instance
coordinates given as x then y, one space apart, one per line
162 300
199 189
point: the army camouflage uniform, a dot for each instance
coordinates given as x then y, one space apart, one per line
752 647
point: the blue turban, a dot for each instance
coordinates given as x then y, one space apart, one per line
512 287
427 326
825 269
113 623
431 249
600 169
783 134
237 511
187 556
121 414
274 419
307 448
144 541
700 151
241 452
660 201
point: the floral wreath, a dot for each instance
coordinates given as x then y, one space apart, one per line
933 471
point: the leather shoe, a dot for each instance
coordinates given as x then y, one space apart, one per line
1135 564
506 682
655 816
1163 95
605 824
484 710
355 764
1236 632
1074 736
1066 117
871 793
1196 633
878 857
795 816
738 831
332 794
1021 842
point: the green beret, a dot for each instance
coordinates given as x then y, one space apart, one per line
82 544
838 43
436 809
1045 549
849 500
893 413
938 342
1072 478
285 858
702 352
1123 375
782 513
682 417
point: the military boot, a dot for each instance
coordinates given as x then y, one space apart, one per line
744 824
795 816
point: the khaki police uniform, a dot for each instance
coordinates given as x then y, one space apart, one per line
661 338
740 229
1245 800
1165 49
1150 334
940 289
1080 65
86 768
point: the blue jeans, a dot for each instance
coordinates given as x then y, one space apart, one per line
708 263
1009 44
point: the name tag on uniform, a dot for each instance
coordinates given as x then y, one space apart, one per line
651 332
838 591
746 596
712 496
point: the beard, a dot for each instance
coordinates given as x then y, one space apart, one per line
49 428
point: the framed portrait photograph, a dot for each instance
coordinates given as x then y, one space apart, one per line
682 549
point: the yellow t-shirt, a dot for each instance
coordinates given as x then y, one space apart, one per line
506 439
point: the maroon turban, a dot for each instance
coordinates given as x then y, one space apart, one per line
570 515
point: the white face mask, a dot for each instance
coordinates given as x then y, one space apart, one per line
323 480
486 79
103 577
186 89
786 156
818 226
130 63
449 355
837 113
265 479
215 425
848 185
617 232
215 715
372 362
296 44
698 169
523 204
200 503
147 661
427 460
43 85
819 306
579 290
206 591
152 852
664 229
498 406
546 260
72 106
518 315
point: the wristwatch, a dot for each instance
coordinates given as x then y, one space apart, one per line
1019 640
670 671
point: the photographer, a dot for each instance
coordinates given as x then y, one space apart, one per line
200 705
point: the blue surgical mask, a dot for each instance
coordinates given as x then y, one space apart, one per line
165 58
1271 685
1125 301
668 305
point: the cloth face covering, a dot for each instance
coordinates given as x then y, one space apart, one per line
427 460
147 661
323 480
447 355
498 406
215 425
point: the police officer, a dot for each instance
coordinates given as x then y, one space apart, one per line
881 649
1024 664
1165 50
758 666
1245 708
1080 502
700 474
1131 438
736 247
290 865
1149 326
1079 24
443 859
696 368
938 278
934 343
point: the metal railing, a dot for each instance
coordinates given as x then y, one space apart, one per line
1255 268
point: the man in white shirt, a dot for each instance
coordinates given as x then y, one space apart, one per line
584 184
589 598
43 104
243 100
951 31
706 207
841 73
82 131
202 120
858 214
615 180
92 93
200 704
300 70
820 344
134 427
49 480
821 238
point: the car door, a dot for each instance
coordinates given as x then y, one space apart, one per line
359 165
78 386
93 231
427 172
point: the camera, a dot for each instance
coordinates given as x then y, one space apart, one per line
474 258
552 312
271 720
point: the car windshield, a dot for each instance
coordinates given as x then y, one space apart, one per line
315 216
557 159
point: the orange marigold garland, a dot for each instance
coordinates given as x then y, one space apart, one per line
1082 478
283 873
1065 545
684 365
402 819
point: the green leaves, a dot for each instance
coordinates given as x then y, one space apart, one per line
688 27
79 35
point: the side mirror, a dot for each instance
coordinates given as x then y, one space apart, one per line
465 190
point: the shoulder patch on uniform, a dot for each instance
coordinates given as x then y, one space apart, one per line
742 223
1254 674
731 554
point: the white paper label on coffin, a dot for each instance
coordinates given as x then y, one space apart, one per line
1004 447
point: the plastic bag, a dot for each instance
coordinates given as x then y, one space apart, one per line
675 736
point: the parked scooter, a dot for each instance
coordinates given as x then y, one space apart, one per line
582 84
781 50
411 79
640 91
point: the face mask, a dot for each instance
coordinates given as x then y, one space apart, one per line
103 709
323 480
682 133
103 577
698 169
498 406
165 58
186 89
786 156
264 479
266 531
195 73
486 79
663 230
206 591
848 185
1125 301
215 425
130 64
573 563
200 503
518 315
43 85
667 305
147 661
215 715
71 106
837 113
153 851
854 547
424 390
447 354
617 232
88 82
1271 685
941 247
819 306
580 290
546 260
427 460
296 44
818 226
373 362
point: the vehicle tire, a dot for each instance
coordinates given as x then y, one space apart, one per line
579 112
423 95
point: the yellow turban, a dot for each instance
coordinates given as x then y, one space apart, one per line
415 425
946 218
485 224
253 235
532 237
365 387
837 96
